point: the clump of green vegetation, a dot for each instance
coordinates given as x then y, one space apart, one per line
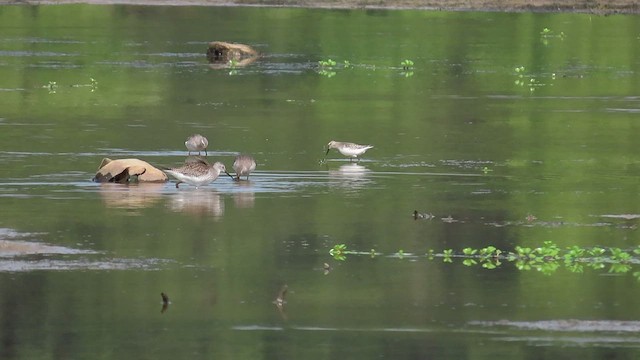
546 259
93 84
339 252
326 67
547 34
233 66
329 67
52 86
406 64
527 80
330 64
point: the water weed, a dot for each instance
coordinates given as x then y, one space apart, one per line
547 258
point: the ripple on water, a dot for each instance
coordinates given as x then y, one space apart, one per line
571 325
45 54
17 265
16 255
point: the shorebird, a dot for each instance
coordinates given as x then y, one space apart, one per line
197 142
347 149
244 165
197 173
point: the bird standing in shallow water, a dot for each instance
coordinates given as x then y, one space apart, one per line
244 165
348 149
197 173
197 143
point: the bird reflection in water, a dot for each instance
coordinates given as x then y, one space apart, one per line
130 196
165 302
280 301
197 202
244 197
350 176
353 170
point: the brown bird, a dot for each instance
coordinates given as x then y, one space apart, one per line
197 142
244 165
197 173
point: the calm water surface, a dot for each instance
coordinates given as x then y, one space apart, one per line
509 137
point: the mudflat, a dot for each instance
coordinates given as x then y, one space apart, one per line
604 7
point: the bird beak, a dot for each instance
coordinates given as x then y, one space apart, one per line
327 153
231 176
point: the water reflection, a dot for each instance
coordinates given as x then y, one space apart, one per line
197 202
279 302
165 302
573 325
12 248
350 176
130 196
244 198
48 264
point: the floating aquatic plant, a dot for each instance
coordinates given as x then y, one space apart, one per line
339 252
532 83
93 84
327 63
52 86
406 64
547 258
328 67
546 32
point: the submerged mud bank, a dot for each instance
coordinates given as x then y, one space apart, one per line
587 6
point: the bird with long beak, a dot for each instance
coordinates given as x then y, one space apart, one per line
351 150
197 173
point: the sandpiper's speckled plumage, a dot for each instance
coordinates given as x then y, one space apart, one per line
348 149
197 142
244 165
197 173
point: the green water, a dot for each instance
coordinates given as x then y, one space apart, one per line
461 133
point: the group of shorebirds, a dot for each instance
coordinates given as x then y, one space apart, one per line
198 172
